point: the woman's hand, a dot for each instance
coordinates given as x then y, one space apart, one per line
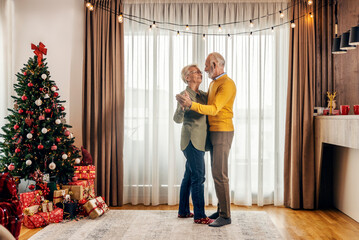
184 99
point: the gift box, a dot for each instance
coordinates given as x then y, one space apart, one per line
59 195
70 209
89 188
42 219
29 211
77 191
85 172
96 207
30 198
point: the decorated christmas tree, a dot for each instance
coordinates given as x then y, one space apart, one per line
36 137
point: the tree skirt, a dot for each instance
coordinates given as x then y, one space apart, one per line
149 224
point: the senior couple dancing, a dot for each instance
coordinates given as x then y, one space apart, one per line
198 135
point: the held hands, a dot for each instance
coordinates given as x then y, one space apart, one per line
184 100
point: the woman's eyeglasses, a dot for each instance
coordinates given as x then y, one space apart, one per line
192 72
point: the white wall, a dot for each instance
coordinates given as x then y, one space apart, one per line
60 26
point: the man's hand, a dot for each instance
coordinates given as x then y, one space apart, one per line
184 99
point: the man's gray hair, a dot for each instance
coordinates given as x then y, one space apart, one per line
185 72
217 58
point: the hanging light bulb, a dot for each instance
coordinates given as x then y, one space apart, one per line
292 24
187 28
150 28
310 2
272 29
204 36
281 14
88 5
178 33
229 36
251 24
154 24
219 28
120 18
91 8
250 34
311 15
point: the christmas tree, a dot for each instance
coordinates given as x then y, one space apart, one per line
36 137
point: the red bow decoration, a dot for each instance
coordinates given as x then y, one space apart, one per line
39 51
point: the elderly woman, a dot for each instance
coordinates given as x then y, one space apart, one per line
193 141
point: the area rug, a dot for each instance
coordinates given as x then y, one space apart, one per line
160 225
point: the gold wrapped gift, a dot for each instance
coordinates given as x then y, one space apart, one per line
59 195
77 191
96 207
29 211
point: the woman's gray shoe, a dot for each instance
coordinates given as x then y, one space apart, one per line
214 215
220 221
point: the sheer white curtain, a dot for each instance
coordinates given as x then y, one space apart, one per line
153 162
6 59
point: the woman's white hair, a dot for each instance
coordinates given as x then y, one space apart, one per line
217 58
185 72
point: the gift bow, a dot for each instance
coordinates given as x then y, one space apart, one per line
39 51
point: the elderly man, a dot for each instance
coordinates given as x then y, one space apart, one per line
219 108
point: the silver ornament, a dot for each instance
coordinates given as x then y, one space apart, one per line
53 89
44 76
77 161
64 156
29 135
38 102
28 162
57 121
44 130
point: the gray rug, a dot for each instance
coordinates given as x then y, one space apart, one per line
160 225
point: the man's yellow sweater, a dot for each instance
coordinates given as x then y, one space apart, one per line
219 108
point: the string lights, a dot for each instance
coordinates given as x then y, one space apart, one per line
162 25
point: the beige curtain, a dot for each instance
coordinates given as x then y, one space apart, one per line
299 172
103 98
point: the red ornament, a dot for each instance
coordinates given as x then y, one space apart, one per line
58 139
74 179
24 98
11 167
41 89
54 147
25 73
30 84
41 117
17 150
32 187
16 127
67 133
40 146
32 131
21 111
47 110
29 112
62 108
56 94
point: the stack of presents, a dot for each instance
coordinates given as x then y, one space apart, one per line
52 203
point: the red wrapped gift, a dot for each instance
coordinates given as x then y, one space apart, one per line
85 172
42 219
30 198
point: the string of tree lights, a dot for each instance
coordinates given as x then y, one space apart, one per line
185 28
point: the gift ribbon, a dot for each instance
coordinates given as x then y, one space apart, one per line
39 51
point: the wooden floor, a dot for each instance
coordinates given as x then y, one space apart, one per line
292 224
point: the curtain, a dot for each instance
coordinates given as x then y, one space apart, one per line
103 98
7 75
153 162
324 33
299 178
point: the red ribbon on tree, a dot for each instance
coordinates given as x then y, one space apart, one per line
39 51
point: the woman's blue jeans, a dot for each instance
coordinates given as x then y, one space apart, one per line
193 180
